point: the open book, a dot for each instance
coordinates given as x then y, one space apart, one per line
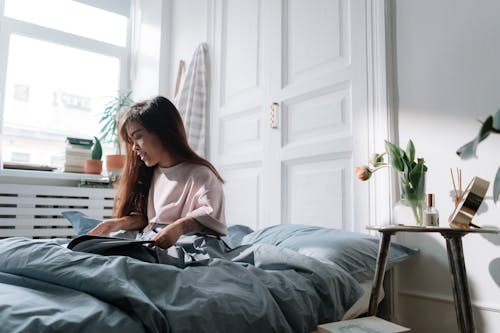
362 325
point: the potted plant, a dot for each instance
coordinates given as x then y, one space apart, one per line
411 171
109 121
94 165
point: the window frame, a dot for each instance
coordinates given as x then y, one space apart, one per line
10 26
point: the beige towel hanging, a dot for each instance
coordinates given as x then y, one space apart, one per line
192 100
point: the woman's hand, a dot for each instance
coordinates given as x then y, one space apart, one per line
169 235
105 227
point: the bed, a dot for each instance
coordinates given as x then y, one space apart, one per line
285 278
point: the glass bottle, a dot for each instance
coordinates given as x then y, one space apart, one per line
431 214
409 210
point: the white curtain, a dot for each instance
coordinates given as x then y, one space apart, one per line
192 99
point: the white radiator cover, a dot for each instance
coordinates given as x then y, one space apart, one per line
35 210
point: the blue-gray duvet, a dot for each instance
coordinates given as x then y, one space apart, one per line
255 288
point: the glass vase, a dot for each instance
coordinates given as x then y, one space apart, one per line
410 208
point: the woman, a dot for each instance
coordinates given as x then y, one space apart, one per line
164 186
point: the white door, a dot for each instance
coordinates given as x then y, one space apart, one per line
308 58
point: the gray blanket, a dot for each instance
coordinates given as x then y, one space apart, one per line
258 288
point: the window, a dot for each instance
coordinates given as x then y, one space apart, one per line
60 62
72 17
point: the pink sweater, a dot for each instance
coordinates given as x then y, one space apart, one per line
187 189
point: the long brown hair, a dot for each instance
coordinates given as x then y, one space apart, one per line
160 117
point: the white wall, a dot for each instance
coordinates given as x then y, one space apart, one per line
188 28
146 68
448 64
167 31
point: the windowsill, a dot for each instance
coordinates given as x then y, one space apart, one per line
45 177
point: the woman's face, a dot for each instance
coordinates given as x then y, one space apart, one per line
147 146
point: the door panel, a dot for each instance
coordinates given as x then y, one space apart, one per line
305 180
238 97
243 195
315 77
315 38
240 136
240 50
317 116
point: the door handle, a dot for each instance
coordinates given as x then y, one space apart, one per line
273 115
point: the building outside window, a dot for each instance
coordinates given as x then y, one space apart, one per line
60 62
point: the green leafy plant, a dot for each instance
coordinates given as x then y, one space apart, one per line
411 172
468 150
113 110
96 153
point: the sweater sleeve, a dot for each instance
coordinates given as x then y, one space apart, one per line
209 210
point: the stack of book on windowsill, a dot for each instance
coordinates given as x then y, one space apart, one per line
27 166
77 151
102 182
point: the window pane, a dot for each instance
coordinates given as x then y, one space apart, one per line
52 92
72 17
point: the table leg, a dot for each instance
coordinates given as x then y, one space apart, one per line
463 306
383 251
